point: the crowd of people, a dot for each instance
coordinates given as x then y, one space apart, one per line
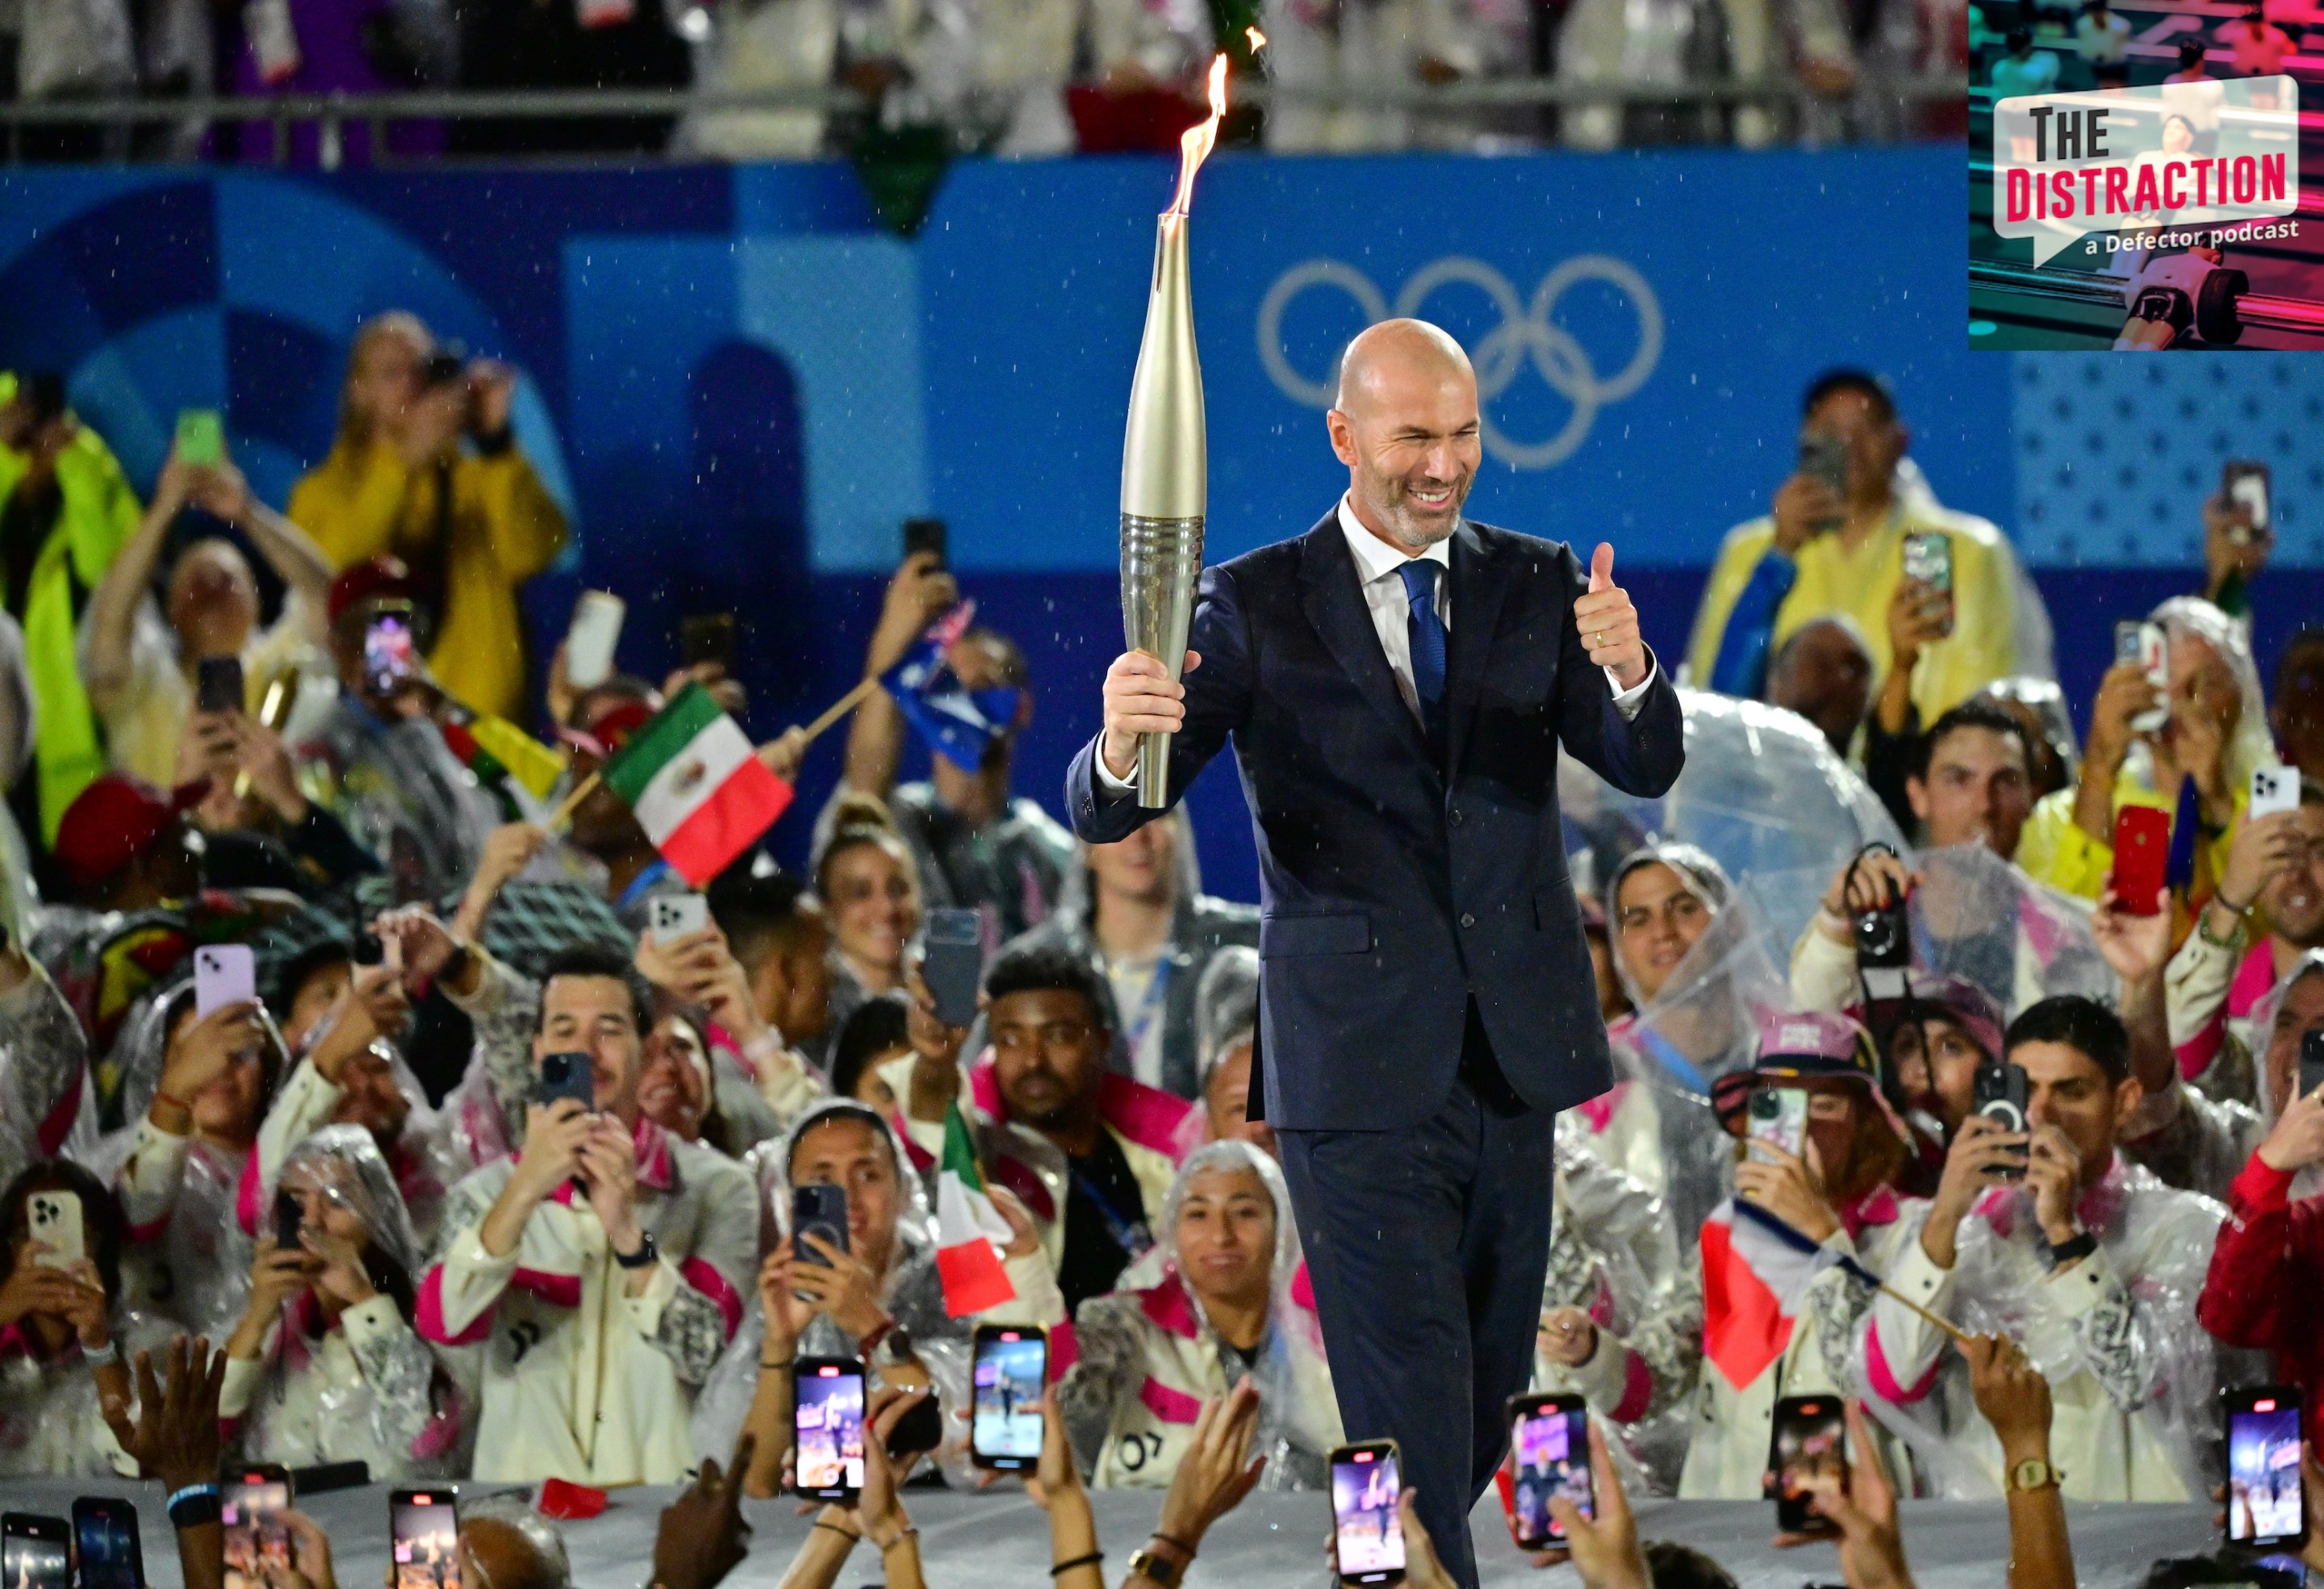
1034 76
491 1171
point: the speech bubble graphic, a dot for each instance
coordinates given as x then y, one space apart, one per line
2165 156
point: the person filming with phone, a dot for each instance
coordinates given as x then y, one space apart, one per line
2039 1227
603 1264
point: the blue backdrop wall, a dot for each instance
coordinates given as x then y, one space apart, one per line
740 384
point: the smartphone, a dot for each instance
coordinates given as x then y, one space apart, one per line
589 642
827 1423
2129 642
1998 1091
1778 1116
2142 846
955 963
251 1504
1928 561
289 1219
223 974
674 916
424 1535
55 1221
706 638
2311 1060
2273 789
2245 484
817 1209
924 534
1549 1436
217 685
2154 658
201 437
567 1076
34 1552
105 1539
1810 1444
2264 1505
387 649
1008 1368
1365 1488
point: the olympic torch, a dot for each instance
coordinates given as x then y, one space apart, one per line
1164 457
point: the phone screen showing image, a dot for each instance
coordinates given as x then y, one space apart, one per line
2263 1440
1011 1367
425 1526
387 652
33 1553
1365 1489
105 1534
1550 1437
1810 1446
827 1414
257 1545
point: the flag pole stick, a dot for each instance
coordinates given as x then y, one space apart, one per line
581 791
841 707
1960 1335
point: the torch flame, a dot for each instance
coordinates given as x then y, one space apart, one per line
1258 39
1195 144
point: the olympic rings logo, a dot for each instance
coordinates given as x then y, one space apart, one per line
1526 333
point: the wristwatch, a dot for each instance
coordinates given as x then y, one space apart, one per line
1160 1569
2072 1250
2034 1473
646 1253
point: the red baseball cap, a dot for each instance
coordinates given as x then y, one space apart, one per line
112 821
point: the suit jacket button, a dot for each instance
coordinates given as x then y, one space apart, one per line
1467 920
1456 818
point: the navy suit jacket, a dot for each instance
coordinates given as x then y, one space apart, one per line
1392 893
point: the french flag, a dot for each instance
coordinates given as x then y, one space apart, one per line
1754 1269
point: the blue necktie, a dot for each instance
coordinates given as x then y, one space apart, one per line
1425 632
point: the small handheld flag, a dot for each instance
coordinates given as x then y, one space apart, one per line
955 721
698 787
969 1229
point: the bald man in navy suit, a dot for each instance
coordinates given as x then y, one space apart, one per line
1397 681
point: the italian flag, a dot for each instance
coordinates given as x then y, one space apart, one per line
696 787
969 1229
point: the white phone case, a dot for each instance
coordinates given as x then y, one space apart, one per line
674 916
2273 789
54 1219
223 974
596 630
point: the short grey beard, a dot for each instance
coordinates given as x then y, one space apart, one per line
1408 535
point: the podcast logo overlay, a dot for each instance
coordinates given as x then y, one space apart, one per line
2166 166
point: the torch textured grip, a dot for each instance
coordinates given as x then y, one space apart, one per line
1161 560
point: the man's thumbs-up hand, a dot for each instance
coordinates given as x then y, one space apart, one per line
1610 623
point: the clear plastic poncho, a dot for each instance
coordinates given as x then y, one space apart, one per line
1977 916
397 1410
2249 745
2134 1379
1762 792
198 1271
47 1104
911 1291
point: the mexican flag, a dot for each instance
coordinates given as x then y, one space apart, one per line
696 787
969 1231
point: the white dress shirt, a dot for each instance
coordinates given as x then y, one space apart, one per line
1377 563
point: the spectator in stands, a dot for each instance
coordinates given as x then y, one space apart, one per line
1226 1026
554 1258
1824 673
880 1298
1949 1029
380 761
2235 548
781 933
1621 1319
2022 69
1825 551
1220 1313
426 468
1149 63
64 1329
2191 68
260 830
2199 1134
760 1084
1664 896
1375 51
1973 782
47 1106
2298 714
877 1035
2102 38
1050 1020
194 1089
124 845
325 1364
977 846
64 512
1135 911
139 658
2268 1266
766 46
1836 1193
2256 47
605 829
2089 1260
1677 43
2039 705
869 883
2213 733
